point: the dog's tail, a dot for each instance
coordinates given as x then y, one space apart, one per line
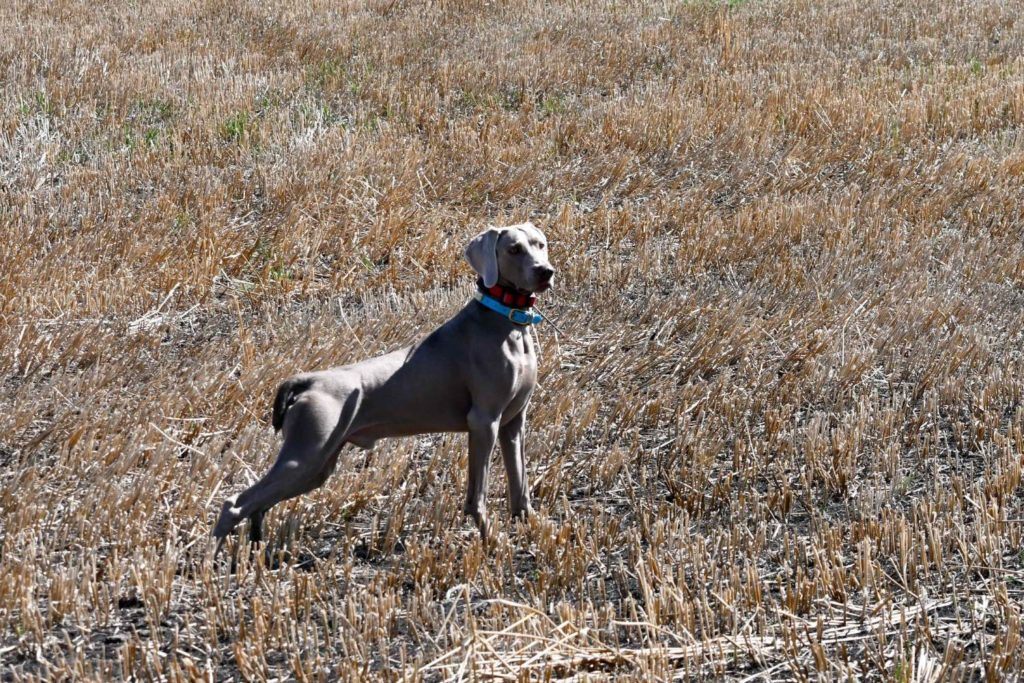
286 395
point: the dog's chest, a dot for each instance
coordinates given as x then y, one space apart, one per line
523 359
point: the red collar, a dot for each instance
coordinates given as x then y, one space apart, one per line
509 296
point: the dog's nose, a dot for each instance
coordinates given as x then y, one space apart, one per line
544 272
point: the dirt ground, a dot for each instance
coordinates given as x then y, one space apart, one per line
779 429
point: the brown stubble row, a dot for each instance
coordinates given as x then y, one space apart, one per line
779 428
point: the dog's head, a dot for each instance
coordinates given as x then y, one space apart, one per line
516 255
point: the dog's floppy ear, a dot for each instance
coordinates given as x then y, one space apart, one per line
482 254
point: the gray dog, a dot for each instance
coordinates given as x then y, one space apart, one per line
473 374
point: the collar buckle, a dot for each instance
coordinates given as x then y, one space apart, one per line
519 316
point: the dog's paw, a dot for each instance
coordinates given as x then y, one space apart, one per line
480 519
523 512
230 516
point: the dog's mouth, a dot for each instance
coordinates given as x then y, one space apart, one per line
544 286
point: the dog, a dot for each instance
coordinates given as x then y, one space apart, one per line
475 374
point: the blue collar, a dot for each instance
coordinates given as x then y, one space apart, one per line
517 315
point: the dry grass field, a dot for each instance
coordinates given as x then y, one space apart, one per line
780 428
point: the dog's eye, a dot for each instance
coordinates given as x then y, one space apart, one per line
515 249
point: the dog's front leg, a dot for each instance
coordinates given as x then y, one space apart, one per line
510 437
483 432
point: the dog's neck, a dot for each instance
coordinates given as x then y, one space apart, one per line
508 295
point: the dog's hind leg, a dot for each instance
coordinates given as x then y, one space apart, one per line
256 526
314 430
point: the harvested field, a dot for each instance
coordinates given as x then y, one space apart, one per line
780 428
